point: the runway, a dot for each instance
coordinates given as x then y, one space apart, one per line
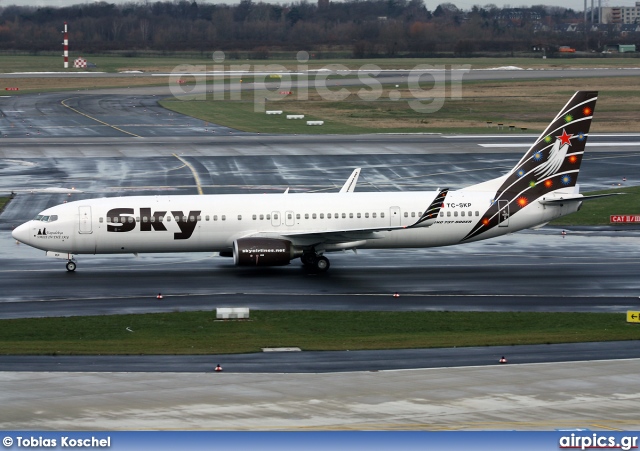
129 153
587 270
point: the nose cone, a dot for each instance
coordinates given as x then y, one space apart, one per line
22 233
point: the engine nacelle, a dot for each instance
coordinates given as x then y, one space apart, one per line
263 252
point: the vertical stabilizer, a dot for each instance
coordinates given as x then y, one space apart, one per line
551 163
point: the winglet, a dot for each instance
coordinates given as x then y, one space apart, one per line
430 215
350 185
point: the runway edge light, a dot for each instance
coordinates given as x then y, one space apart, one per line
633 316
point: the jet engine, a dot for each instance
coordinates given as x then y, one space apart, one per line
263 252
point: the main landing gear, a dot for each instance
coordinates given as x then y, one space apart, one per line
315 262
71 266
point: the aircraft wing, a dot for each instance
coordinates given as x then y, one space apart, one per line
350 185
356 236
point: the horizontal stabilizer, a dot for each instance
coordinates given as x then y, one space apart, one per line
574 198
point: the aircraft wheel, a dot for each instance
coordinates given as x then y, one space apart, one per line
71 266
308 260
322 264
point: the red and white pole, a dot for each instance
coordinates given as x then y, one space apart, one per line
66 47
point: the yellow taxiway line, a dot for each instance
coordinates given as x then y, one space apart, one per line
94 119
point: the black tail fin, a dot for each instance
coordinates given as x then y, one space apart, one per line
554 159
552 163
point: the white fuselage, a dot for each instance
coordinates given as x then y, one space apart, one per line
206 223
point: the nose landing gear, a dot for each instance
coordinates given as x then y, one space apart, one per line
71 266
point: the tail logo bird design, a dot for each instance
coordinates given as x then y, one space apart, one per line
557 155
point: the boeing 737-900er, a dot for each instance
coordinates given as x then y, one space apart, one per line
274 229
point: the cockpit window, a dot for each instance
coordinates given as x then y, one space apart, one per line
44 218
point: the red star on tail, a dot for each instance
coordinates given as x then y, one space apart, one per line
565 138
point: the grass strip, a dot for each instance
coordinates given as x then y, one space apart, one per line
159 63
201 333
519 105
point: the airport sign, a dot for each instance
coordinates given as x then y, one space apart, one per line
633 317
629 219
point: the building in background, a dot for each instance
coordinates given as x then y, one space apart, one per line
620 14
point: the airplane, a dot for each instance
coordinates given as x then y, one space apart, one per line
275 229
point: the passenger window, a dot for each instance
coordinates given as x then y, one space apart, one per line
224 218
321 215
269 217
160 218
261 217
275 216
306 216
206 218
455 213
289 216
382 215
328 215
470 213
477 213
130 219
144 219
313 216
366 215
344 215
373 215
336 215
100 220
137 218
152 219
413 214
239 217
462 213
297 215
215 217
448 214
350 215
406 215
254 217
184 219
441 214
199 218
359 215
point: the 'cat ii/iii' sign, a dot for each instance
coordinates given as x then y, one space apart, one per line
615 219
